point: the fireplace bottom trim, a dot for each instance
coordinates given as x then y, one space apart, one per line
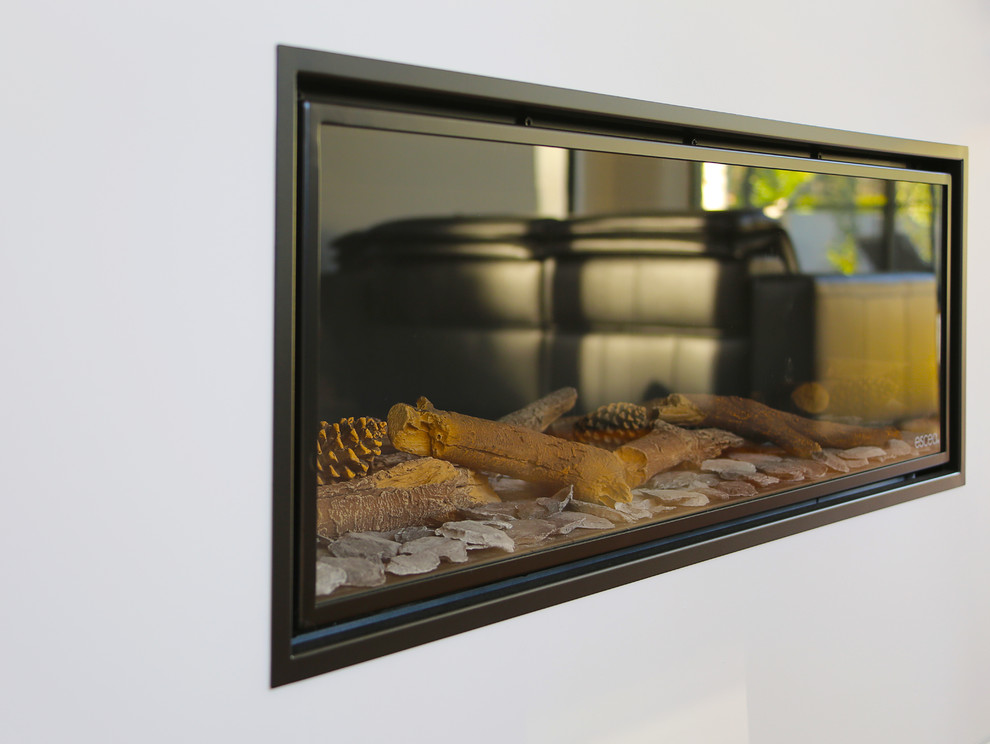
428 517
416 623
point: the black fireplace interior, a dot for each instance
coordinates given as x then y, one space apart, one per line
533 344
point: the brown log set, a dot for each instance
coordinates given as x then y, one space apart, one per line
667 446
798 435
491 446
420 491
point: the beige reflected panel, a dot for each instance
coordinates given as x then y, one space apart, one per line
551 166
607 183
876 354
683 292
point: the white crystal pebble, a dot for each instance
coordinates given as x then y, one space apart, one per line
810 468
477 535
899 448
725 466
682 479
736 489
566 522
530 531
861 453
676 496
832 460
329 578
757 479
789 470
653 506
418 563
757 458
634 510
364 545
406 534
499 511
531 510
454 551
556 503
598 510
360 571
501 522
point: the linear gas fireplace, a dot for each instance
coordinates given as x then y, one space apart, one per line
533 344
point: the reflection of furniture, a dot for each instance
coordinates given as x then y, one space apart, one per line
644 305
867 343
448 308
485 314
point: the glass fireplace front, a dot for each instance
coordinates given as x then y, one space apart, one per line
525 351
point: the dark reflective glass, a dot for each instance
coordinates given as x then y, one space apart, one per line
797 311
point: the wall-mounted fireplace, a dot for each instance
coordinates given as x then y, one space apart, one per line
533 344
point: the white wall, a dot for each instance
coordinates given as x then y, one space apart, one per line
136 229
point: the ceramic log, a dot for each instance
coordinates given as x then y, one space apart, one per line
491 446
424 491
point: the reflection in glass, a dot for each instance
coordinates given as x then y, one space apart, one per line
839 224
796 313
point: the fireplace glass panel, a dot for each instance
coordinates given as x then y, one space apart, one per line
701 334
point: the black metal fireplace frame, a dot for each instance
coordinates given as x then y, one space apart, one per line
317 87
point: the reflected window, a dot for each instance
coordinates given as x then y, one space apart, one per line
837 224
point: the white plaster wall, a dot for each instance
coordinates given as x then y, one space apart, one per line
136 224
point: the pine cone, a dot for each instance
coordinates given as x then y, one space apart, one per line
613 425
347 448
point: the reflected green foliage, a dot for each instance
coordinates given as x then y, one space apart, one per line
843 255
775 186
916 205
866 216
